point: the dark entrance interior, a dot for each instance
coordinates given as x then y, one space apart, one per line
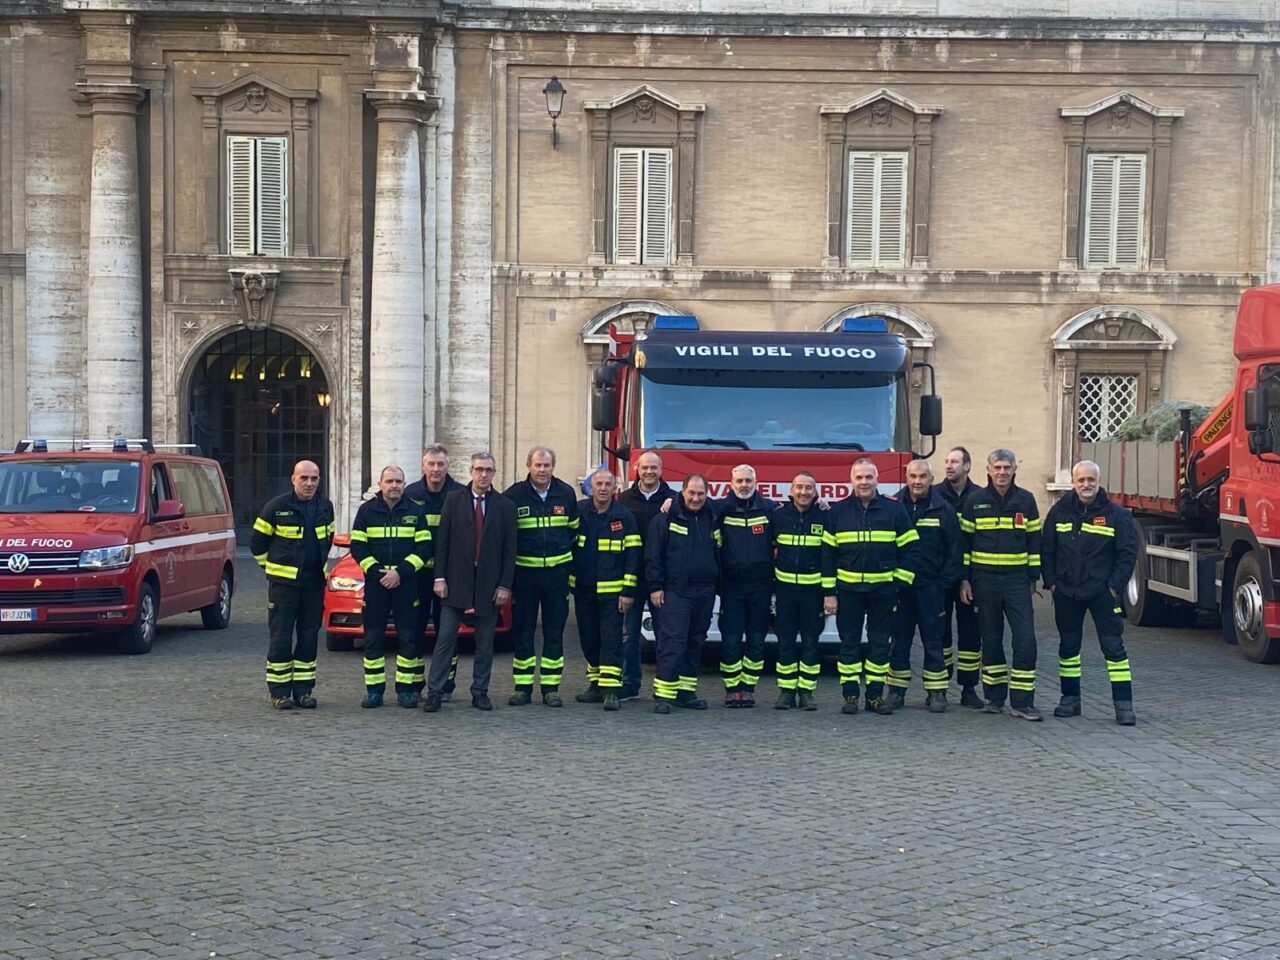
259 403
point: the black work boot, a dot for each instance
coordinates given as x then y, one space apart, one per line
611 701
551 698
690 700
969 698
1124 713
936 701
1068 706
521 698
897 699
850 705
592 694
806 700
1027 712
786 700
883 707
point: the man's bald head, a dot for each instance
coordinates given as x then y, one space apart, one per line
306 479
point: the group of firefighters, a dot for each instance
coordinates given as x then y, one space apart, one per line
888 569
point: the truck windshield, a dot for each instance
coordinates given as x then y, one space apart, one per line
68 486
774 413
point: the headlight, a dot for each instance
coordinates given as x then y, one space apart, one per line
345 584
107 558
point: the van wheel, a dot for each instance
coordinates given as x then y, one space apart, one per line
139 637
1142 606
337 642
1248 613
217 615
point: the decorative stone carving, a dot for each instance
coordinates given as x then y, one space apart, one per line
255 292
882 114
1120 116
646 111
255 100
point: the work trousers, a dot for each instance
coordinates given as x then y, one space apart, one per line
921 607
1000 597
600 630
631 673
798 612
545 589
744 623
445 654
294 614
875 609
685 621
429 613
967 650
1068 614
401 604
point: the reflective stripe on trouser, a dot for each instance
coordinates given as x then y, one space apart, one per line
920 607
294 614
681 633
544 589
1068 615
402 605
1000 597
798 611
875 607
968 645
600 630
744 623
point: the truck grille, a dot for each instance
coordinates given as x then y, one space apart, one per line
42 561
95 597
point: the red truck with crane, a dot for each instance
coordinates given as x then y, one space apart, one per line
1207 505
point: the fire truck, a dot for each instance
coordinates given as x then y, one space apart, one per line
707 400
1207 504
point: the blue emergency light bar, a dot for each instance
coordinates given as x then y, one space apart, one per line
864 325
675 321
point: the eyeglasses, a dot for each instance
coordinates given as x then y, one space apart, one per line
484 470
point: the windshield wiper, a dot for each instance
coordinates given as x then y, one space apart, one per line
710 441
827 445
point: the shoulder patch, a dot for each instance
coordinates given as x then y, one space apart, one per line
817 528
615 525
558 510
522 511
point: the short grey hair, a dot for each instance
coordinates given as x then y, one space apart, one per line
866 462
746 468
601 471
484 455
436 448
390 466
540 448
1086 463
920 462
1000 453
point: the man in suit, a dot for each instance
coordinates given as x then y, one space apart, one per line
475 566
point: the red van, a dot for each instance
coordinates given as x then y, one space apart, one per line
111 537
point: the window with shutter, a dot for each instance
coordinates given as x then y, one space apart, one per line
642 205
1115 210
877 211
257 196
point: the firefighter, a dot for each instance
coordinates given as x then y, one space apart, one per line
682 568
869 549
428 496
922 604
644 499
798 530
1000 529
746 565
1090 547
606 568
546 526
291 539
955 489
391 541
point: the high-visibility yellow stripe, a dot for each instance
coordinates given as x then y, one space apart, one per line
263 526
968 526
799 540
678 528
803 579
280 570
909 536
850 576
288 532
867 536
1000 559
534 523
1099 530
539 562
928 522
632 540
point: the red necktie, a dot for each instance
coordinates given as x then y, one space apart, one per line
479 525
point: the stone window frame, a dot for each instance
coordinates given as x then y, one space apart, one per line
1107 126
254 105
880 121
920 334
1107 339
683 143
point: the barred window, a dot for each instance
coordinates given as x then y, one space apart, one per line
1105 401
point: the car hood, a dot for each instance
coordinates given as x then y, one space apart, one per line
65 531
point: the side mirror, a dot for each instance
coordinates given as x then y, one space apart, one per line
930 415
1255 409
169 510
623 452
604 409
342 540
1259 442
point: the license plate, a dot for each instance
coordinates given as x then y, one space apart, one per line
11 616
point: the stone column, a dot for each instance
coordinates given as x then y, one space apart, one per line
115 343
397 321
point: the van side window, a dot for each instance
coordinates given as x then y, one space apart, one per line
159 488
193 490
217 498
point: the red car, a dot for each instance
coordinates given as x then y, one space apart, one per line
344 603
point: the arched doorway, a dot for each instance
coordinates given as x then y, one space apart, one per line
259 402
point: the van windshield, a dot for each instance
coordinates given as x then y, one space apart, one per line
68 486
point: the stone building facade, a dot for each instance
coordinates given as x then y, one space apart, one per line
343 229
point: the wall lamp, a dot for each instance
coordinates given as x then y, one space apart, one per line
554 92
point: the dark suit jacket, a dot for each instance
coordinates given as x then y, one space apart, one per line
471 584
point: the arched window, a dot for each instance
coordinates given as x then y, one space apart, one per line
915 329
1110 364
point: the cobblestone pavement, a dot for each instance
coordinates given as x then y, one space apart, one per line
154 807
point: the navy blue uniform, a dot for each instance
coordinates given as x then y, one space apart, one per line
606 565
644 509
797 573
966 653
746 568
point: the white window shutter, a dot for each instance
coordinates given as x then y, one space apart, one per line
862 208
1130 194
272 171
627 165
891 206
240 195
656 240
1115 201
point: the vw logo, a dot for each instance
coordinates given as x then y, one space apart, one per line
18 563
